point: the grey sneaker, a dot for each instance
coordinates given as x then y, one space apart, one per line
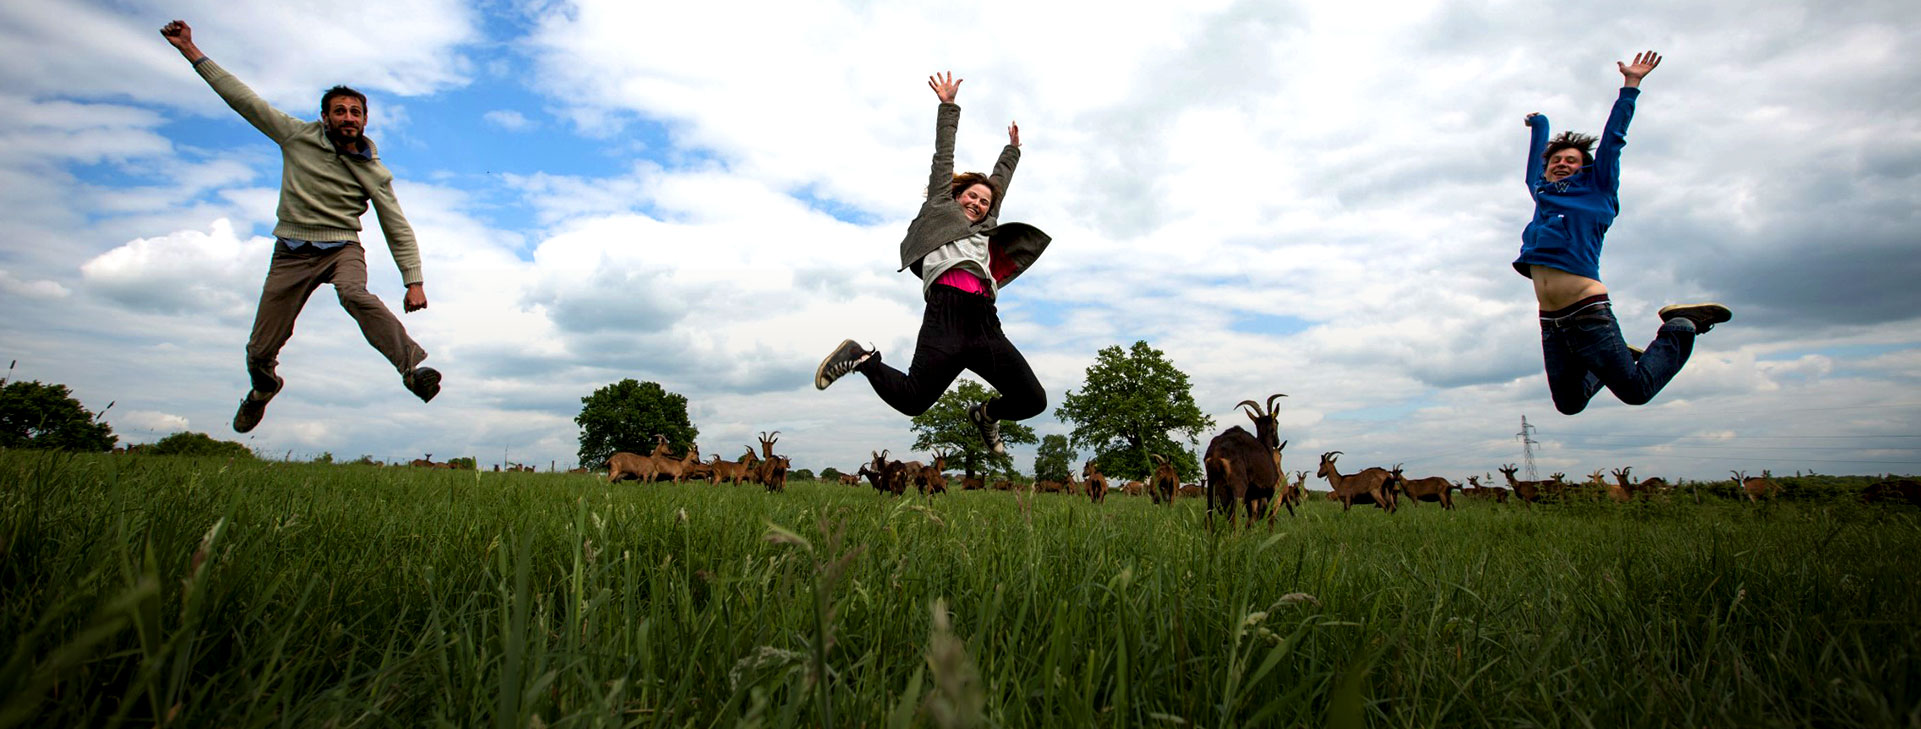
1704 316
254 406
989 427
423 382
839 362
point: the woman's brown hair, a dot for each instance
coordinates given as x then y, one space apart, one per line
966 180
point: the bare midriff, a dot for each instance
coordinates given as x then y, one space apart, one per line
1556 289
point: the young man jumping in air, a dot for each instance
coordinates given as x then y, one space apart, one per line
330 170
1575 200
963 256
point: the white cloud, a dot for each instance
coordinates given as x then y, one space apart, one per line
509 120
1320 201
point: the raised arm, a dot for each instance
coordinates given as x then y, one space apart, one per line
1003 174
1614 136
274 123
941 177
1536 146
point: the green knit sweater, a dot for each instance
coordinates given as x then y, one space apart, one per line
323 192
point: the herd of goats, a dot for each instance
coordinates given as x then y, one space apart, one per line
1243 476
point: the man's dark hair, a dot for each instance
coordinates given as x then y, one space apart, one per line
1572 140
966 180
327 98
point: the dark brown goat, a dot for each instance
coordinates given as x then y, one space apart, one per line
1164 482
1096 483
1244 469
1528 491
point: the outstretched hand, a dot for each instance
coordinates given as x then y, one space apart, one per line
1013 134
945 86
1643 63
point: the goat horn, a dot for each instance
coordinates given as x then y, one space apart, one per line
1271 399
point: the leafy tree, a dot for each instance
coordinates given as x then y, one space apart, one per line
41 416
188 443
626 415
1132 401
945 426
1055 460
801 474
325 458
830 474
466 463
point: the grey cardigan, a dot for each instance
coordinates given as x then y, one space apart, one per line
941 221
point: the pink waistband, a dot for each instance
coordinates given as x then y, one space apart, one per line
962 280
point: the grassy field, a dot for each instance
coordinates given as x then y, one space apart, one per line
142 591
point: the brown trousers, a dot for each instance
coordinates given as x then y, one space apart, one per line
292 278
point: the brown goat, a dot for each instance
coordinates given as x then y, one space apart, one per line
1096 483
772 471
624 465
1133 488
1244 469
933 481
1432 488
1368 486
1476 490
1527 491
1758 488
1164 482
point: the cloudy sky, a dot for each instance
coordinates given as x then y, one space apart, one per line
1318 198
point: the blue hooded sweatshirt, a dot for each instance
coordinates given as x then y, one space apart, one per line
1572 215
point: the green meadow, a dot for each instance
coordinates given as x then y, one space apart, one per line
141 591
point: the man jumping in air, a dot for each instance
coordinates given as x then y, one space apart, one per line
963 255
1575 200
330 170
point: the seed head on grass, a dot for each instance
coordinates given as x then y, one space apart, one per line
958 697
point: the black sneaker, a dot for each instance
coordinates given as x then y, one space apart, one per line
254 406
423 382
989 427
839 362
1704 316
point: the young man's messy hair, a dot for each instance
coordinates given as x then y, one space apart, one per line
328 97
1572 140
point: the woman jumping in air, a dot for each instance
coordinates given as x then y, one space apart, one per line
1574 203
963 256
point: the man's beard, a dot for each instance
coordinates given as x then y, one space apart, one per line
342 140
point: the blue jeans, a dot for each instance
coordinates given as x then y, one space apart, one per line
1583 350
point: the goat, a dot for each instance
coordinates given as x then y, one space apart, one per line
1192 491
1295 493
1432 488
876 472
931 478
1133 488
1475 489
850 479
732 472
1096 483
1892 490
1528 491
1368 486
772 471
973 483
624 465
427 462
1758 488
1244 469
674 469
1164 482
1626 489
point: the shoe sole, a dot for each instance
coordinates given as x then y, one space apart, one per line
820 371
428 381
1715 313
243 406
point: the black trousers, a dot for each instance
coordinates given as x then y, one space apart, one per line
959 331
